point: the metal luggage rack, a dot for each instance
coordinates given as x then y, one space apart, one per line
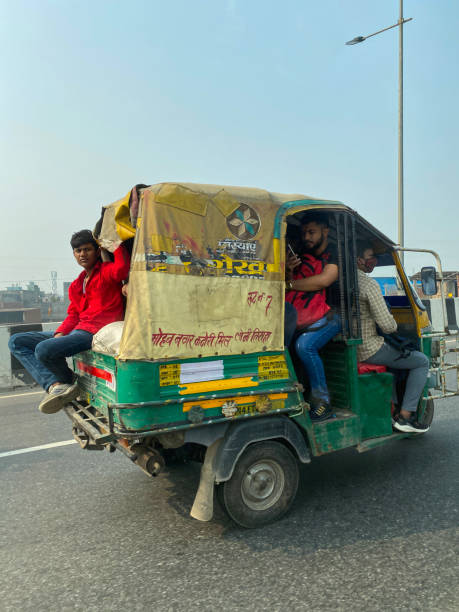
445 346
90 427
91 430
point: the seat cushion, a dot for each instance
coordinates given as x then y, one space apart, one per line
369 368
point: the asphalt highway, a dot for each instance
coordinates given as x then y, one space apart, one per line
86 530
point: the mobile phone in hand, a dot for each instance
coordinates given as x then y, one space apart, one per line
291 250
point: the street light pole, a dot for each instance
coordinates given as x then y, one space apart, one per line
401 229
359 39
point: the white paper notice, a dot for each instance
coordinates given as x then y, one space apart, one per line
198 372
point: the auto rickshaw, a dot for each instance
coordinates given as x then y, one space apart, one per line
201 369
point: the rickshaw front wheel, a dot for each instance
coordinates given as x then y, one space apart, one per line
263 485
428 415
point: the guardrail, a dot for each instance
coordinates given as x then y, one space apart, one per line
435 312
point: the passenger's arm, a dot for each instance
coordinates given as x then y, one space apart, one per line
320 281
118 269
379 310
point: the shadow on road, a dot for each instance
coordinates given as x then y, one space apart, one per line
405 488
346 498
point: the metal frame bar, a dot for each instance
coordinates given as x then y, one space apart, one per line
93 426
201 398
122 432
440 278
340 276
303 205
441 366
347 262
356 313
179 426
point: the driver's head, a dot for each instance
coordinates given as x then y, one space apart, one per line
366 258
315 230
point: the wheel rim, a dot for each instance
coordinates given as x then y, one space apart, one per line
262 485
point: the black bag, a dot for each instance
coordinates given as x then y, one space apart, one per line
405 346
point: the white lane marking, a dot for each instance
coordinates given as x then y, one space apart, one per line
32 449
21 394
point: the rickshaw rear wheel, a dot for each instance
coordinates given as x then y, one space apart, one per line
263 485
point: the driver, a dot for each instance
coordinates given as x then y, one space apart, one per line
374 311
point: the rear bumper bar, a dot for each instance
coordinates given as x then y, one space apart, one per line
90 422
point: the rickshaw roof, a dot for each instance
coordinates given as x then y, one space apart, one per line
263 196
208 266
240 193
253 194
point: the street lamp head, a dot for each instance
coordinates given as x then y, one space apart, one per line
357 39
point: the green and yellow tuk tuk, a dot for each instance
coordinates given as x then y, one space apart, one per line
201 366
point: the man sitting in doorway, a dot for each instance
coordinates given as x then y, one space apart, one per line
95 300
374 311
307 279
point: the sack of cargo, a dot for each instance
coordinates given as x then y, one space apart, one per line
107 340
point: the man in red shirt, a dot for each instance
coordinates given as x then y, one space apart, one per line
95 301
307 279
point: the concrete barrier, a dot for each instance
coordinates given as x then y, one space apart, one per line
436 313
11 373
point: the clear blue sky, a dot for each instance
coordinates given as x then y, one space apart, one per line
99 95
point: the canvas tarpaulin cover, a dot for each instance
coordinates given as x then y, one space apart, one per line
207 276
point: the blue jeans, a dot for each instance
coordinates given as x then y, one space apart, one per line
417 365
307 348
290 319
44 356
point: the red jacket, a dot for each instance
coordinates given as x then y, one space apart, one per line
102 303
309 305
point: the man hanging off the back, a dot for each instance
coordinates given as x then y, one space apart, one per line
307 279
95 301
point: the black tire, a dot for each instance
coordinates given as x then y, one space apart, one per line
427 417
263 485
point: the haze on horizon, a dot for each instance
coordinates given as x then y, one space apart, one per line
99 96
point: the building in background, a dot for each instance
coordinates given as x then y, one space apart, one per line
23 310
388 284
18 305
66 286
451 280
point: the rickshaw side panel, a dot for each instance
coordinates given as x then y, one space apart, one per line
366 395
261 384
375 393
340 363
97 378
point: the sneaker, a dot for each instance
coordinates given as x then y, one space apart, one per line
320 412
59 396
410 425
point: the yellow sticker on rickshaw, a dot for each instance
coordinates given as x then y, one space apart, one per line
272 367
169 374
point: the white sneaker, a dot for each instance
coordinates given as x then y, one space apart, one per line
59 396
409 425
